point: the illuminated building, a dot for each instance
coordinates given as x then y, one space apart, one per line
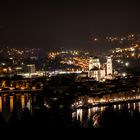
31 68
98 71
94 62
109 66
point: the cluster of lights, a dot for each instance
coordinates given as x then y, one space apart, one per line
129 38
106 99
130 52
78 59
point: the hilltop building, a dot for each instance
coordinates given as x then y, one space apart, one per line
100 71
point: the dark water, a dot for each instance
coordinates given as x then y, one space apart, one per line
33 111
114 116
36 110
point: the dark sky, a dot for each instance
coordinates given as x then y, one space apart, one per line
67 24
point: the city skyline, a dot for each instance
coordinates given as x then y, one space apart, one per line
69 24
69 64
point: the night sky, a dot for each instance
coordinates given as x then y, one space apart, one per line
53 24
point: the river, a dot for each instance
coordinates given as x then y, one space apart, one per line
125 115
36 110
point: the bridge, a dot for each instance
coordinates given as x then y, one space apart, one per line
19 91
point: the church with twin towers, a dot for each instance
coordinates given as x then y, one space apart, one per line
100 71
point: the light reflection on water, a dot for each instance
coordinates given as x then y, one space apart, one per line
91 116
115 107
0 104
22 102
95 112
139 106
79 114
9 103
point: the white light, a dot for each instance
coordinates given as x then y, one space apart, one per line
132 49
3 64
95 39
118 61
127 64
80 102
5 70
123 74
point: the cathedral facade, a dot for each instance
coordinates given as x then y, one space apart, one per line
100 71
